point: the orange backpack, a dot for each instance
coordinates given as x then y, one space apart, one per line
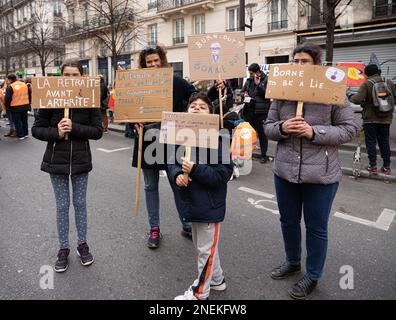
244 141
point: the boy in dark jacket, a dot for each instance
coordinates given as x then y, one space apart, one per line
204 193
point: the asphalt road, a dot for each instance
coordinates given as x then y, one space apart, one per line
124 268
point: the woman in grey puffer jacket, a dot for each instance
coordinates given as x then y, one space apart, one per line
307 173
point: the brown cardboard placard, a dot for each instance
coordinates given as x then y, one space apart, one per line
307 83
214 54
142 95
190 129
65 92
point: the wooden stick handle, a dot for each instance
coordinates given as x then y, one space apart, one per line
66 115
300 106
221 106
187 157
139 169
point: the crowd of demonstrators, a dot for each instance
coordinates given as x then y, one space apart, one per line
307 177
155 57
68 157
257 106
376 123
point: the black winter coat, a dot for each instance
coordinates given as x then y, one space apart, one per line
72 156
205 196
182 91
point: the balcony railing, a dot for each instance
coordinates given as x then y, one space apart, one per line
316 20
385 10
232 29
164 5
152 43
178 40
152 5
277 25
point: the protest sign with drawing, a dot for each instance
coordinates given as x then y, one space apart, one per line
307 83
356 76
142 95
217 56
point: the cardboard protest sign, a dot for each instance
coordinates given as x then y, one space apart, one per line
217 55
65 92
190 129
142 95
356 76
307 83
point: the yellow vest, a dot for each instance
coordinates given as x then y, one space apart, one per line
20 96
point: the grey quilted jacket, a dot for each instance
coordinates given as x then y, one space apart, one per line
299 160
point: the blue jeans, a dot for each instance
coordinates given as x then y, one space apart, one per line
9 116
60 184
151 182
316 201
20 119
374 132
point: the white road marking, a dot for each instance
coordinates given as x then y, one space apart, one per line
114 150
257 193
383 222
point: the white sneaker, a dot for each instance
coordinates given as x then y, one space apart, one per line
188 295
236 171
218 287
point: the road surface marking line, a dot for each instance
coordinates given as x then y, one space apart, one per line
257 193
383 222
114 150
385 219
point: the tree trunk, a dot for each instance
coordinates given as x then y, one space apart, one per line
330 28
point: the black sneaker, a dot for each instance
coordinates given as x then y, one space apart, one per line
63 262
154 239
265 159
285 270
303 288
187 232
84 254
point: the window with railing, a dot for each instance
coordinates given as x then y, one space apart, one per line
384 8
232 19
152 34
178 31
199 24
278 15
152 4
318 13
57 8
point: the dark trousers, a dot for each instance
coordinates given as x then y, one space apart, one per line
257 120
376 132
316 201
20 119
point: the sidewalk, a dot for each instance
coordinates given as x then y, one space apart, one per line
346 154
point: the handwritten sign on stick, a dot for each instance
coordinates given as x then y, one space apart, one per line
315 84
65 92
142 95
214 54
189 129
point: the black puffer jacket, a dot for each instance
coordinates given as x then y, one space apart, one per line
72 156
205 196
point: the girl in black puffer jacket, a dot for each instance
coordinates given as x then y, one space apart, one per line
66 157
